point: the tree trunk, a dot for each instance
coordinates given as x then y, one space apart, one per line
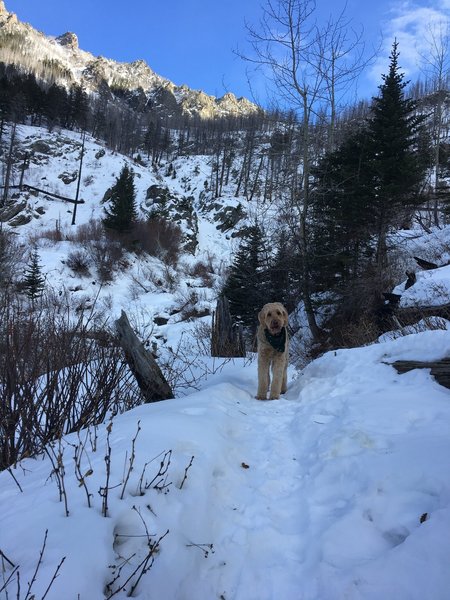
144 367
226 340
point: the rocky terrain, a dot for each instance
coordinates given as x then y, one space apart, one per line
60 60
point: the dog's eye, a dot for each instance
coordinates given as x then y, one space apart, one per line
269 314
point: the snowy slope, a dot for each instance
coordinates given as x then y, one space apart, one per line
55 159
338 490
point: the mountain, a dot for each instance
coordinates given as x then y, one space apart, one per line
60 60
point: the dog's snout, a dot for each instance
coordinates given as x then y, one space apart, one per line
275 324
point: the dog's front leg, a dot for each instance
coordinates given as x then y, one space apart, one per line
263 376
284 382
277 377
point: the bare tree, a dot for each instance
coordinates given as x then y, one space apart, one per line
285 46
342 55
436 66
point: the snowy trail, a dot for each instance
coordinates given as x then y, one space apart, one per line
318 488
259 505
262 520
337 491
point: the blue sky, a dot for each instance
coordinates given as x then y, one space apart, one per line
192 41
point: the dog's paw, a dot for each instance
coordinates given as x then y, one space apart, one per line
261 397
274 397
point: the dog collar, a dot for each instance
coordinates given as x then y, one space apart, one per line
278 342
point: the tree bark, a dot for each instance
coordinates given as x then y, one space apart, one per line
226 340
440 369
144 367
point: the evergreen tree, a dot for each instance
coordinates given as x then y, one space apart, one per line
246 285
284 272
121 213
365 189
34 282
56 105
397 170
343 212
78 107
370 184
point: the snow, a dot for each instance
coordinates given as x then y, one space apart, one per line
319 495
339 490
431 289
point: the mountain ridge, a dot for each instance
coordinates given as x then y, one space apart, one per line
60 60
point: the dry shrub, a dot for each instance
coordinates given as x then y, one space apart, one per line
358 333
53 234
11 254
58 374
106 255
156 237
79 262
188 305
93 231
204 272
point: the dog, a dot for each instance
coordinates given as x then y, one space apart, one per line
273 350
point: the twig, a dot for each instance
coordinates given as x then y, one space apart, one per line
6 583
79 450
131 461
104 491
3 556
186 471
59 472
205 548
160 484
38 565
55 575
13 476
144 566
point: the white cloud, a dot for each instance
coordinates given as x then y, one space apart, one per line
411 24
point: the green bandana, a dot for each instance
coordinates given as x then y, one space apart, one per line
278 342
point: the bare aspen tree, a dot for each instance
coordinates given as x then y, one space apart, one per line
436 66
342 58
285 46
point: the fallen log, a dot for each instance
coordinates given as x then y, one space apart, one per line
440 369
409 315
144 367
425 264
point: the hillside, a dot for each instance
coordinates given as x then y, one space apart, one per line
176 188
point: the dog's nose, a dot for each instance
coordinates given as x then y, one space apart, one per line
275 324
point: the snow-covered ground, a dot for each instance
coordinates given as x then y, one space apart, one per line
340 490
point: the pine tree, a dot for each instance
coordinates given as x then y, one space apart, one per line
370 184
246 285
78 107
365 189
342 228
397 170
121 213
34 282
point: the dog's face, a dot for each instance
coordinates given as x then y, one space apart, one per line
274 317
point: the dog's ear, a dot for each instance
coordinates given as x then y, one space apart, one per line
261 316
286 317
